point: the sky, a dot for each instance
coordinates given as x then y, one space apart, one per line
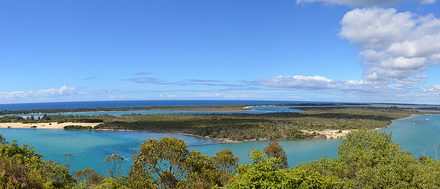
299 50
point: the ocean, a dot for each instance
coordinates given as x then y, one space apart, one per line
137 103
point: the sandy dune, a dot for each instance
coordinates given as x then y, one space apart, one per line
330 134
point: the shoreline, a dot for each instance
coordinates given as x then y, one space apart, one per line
47 125
55 125
319 134
213 108
341 133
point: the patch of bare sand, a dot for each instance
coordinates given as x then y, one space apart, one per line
329 134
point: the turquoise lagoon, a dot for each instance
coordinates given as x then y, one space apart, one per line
419 135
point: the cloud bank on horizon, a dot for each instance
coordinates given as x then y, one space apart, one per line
43 94
396 49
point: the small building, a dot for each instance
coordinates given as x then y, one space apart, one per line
32 117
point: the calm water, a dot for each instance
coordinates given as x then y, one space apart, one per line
138 103
249 110
89 148
419 135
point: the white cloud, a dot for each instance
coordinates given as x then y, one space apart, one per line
396 46
298 81
426 2
38 94
430 94
435 89
225 95
318 83
168 96
353 90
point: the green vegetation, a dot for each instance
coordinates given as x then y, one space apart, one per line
114 163
275 126
6 119
366 159
74 119
57 118
370 160
77 127
20 168
241 127
169 164
274 150
264 172
221 108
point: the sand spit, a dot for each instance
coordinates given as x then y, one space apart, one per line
51 125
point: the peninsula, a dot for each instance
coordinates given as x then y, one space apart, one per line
314 122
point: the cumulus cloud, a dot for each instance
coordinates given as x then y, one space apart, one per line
298 81
44 93
318 83
396 46
353 90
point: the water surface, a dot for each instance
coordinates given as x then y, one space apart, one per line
89 148
248 110
139 103
419 135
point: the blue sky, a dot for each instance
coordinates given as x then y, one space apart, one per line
318 50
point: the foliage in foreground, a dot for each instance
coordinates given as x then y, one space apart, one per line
371 160
168 163
20 167
264 172
366 159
